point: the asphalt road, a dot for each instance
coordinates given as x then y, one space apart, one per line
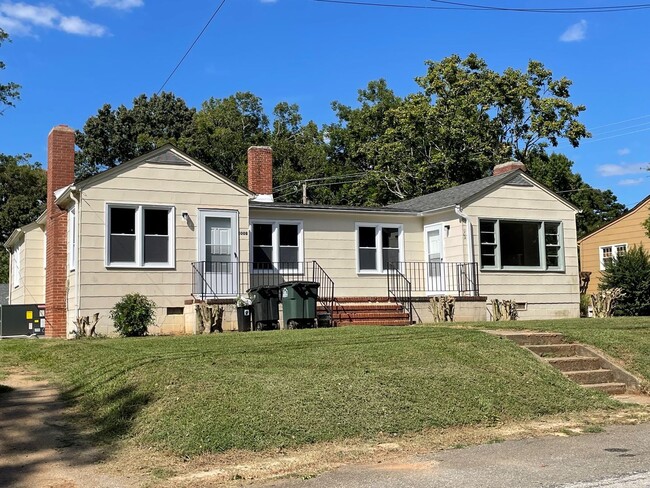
616 458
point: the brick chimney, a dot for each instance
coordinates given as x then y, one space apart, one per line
260 172
60 173
499 169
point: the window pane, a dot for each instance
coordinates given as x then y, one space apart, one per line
156 249
488 243
156 222
288 235
262 234
122 249
367 259
390 237
262 254
288 255
122 220
389 256
367 237
519 243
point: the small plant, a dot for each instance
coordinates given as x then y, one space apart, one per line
133 315
585 303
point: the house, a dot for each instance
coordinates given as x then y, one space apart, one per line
612 240
169 227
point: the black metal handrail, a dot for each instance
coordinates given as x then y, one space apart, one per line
400 289
455 278
225 279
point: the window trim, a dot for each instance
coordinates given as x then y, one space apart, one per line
614 247
543 267
139 236
379 256
72 238
275 244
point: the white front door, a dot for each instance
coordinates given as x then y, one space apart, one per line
434 257
218 250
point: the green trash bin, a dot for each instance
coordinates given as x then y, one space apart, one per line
265 305
299 303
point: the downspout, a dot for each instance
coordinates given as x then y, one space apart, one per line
77 263
468 231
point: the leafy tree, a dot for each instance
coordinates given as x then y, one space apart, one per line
8 91
646 226
22 198
598 207
223 130
631 273
112 136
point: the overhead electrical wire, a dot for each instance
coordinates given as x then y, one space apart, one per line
205 27
447 5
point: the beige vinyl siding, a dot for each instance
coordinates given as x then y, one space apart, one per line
187 189
330 239
454 247
626 230
32 271
548 294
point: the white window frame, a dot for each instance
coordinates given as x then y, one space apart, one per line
379 258
15 266
614 247
139 236
561 267
275 243
72 238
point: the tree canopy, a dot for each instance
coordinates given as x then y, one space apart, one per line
10 91
22 198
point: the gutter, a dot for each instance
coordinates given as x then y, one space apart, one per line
470 235
78 246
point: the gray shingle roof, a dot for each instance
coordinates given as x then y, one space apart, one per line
343 208
451 196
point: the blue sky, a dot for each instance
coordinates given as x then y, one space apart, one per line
72 56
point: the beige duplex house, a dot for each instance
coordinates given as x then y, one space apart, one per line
167 226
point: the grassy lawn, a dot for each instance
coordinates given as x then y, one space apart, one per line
264 390
624 338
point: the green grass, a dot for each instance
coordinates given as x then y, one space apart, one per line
279 389
624 338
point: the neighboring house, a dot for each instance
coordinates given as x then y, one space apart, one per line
612 240
169 227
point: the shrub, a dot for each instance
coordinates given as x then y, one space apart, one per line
585 302
133 315
631 273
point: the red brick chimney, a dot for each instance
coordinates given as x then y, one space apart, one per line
60 173
499 169
260 172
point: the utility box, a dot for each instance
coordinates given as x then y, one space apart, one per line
22 320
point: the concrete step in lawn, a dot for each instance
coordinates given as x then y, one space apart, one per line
579 363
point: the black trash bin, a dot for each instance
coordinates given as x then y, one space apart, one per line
265 304
244 316
299 303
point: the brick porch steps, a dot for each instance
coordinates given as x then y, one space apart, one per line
577 362
367 311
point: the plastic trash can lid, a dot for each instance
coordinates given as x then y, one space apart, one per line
262 287
287 284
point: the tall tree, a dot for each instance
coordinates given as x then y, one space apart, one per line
112 136
22 198
9 92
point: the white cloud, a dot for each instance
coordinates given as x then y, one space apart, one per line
622 169
18 18
118 4
631 181
623 151
575 32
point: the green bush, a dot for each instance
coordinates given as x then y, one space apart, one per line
133 315
631 273
585 302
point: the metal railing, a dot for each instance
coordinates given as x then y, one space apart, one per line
400 289
461 279
227 279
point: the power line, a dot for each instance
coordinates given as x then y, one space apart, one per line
621 122
475 7
214 14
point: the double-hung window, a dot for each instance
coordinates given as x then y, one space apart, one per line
140 236
72 238
277 245
609 253
521 245
377 246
